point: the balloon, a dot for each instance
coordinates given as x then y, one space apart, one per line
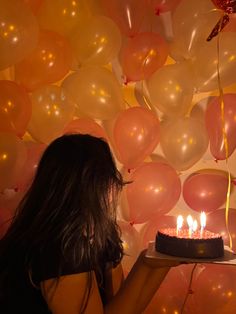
33 4
183 141
205 191
215 282
15 108
85 126
96 92
171 89
206 68
100 43
12 158
231 26
216 222
34 153
154 190
5 221
19 32
193 21
131 244
49 62
156 223
62 16
161 6
52 109
136 134
226 5
214 125
127 14
10 198
142 55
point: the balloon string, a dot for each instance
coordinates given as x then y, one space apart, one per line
144 98
189 291
226 145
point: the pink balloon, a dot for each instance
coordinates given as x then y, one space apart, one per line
156 223
136 134
205 191
154 190
85 126
142 55
215 128
216 223
161 6
128 14
34 153
215 288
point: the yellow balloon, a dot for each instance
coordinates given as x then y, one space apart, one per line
52 109
12 158
170 89
98 43
183 142
206 60
62 16
95 91
18 32
193 21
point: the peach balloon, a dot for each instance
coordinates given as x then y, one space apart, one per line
184 141
205 191
12 158
100 43
62 16
170 89
142 55
206 68
193 22
18 32
155 189
15 108
50 61
33 4
214 125
96 92
52 110
136 134
161 6
85 126
128 14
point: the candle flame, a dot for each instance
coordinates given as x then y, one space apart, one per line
203 220
190 221
195 225
180 221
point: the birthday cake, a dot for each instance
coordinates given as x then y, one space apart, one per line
199 245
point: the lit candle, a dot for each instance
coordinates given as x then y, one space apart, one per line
180 220
190 225
202 222
195 225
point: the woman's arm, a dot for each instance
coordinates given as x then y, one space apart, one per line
132 297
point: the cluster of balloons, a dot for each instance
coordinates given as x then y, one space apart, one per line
67 66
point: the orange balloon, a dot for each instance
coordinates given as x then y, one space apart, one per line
62 16
100 43
49 62
33 4
12 158
85 126
15 108
18 32
52 110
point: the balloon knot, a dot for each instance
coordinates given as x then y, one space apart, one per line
216 160
157 11
190 291
233 181
16 189
131 223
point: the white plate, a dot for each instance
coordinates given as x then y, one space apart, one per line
229 257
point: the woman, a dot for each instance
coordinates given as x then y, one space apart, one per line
62 252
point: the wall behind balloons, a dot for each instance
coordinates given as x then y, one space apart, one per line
141 74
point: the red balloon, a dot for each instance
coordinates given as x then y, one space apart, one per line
214 126
142 55
229 6
128 14
49 62
136 134
205 191
216 222
155 189
85 126
15 108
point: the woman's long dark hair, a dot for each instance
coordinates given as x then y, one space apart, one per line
71 203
